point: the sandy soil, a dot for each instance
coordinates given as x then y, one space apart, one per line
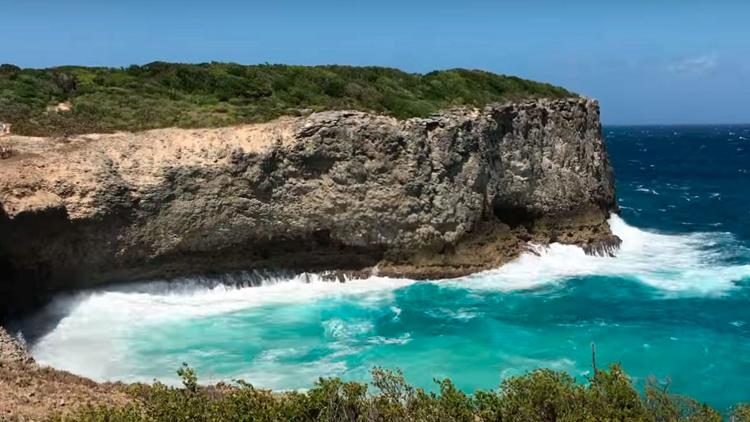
29 392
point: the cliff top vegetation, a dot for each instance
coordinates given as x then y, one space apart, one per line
72 99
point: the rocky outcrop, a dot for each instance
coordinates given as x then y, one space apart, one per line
12 352
458 192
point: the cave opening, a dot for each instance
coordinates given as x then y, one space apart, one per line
514 216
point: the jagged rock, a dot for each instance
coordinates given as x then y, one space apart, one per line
458 192
12 351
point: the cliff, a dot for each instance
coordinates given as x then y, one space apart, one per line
457 192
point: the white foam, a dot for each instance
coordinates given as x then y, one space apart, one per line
685 264
647 190
196 297
96 324
92 336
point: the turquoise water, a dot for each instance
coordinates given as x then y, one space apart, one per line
674 303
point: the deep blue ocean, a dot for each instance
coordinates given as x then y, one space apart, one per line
674 303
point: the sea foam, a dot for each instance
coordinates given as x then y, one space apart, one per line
91 329
685 264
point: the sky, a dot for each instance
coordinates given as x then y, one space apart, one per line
646 61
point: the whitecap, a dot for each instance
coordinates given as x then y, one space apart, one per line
401 340
274 354
647 190
396 312
513 364
340 329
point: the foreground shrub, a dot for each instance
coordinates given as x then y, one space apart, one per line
611 396
667 407
539 396
741 413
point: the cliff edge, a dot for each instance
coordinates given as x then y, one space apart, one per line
461 191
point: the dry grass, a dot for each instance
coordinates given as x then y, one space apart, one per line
31 392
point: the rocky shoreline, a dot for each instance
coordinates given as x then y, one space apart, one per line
346 193
29 391
461 191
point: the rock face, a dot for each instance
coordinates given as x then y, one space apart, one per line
348 191
12 352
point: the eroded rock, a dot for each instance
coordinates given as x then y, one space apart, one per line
434 197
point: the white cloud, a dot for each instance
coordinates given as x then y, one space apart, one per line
695 65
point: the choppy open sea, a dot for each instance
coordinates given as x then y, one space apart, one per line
674 303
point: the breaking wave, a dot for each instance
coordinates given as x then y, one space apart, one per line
686 264
98 333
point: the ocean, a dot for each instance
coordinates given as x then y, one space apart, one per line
674 304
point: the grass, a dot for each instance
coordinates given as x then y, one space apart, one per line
539 396
217 94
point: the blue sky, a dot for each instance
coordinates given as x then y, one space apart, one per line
648 62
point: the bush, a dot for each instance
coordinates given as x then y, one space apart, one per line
665 407
741 413
542 395
169 94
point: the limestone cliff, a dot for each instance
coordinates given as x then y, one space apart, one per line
458 192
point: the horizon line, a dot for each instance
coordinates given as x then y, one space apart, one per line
673 124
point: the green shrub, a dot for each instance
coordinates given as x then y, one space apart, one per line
666 407
542 395
611 396
170 94
741 413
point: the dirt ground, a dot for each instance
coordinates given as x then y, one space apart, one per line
29 392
